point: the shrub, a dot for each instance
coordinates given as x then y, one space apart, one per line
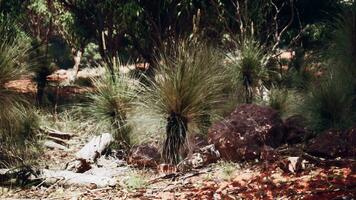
343 49
18 123
248 67
284 101
329 104
110 103
185 95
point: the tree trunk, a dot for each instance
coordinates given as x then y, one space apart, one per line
77 58
176 131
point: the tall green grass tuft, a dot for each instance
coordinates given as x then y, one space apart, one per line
343 50
329 104
332 103
185 95
111 102
284 100
18 122
248 67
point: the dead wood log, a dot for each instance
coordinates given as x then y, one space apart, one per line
53 145
93 149
330 162
17 175
57 134
58 140
321 162
78 179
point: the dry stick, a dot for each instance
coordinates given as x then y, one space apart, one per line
58 140
319 161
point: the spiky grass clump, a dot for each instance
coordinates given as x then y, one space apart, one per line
18 123
329 104
111 101
343 50
19 136
248 67
187 92
283 100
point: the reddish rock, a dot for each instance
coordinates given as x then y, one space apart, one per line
242 135
295 129
144 156
329 144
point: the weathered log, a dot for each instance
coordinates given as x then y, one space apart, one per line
92 150
58 134
18 175
53 145
72 178
58 140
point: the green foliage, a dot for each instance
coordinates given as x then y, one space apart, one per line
248 67
226 170
284 100
187 92
91 55
111 101
135 180
343 50
18 123
329 104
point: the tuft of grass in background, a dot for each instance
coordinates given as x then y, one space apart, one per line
332 102
343 50
186 94
111 102
248 68
329 104
18 121
285 101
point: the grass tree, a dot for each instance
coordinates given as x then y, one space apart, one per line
248 67
187 92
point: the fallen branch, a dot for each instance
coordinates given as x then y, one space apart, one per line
92 150
342 162
329 162
72 178
51 177
53 145
57 140
58 134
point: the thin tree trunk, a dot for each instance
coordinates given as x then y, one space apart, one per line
77 57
